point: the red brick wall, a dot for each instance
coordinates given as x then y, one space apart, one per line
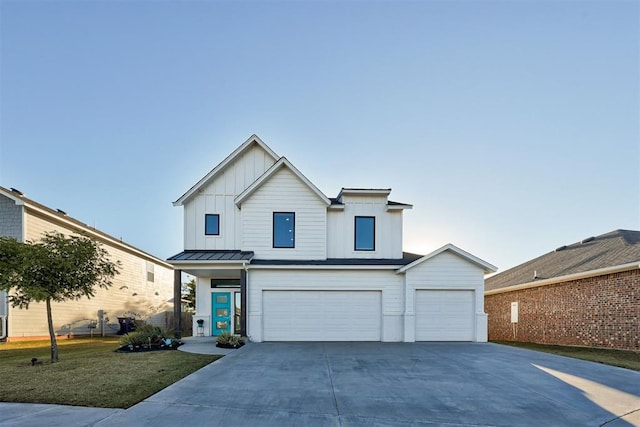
601 311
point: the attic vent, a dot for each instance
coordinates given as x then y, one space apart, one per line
588 239
561 248
15 190
61 211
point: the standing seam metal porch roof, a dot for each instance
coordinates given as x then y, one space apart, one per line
212 255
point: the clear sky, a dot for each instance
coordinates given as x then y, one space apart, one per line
511 126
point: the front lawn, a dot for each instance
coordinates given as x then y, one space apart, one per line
90 372
622 358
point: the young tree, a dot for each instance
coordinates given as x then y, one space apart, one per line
57 268
189 293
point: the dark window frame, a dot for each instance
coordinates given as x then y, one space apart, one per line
205 225
355 233
273 230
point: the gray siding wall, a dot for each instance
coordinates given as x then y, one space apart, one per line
10 218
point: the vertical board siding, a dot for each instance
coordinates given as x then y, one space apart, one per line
446 271
340 229
116 301
218 198
284 192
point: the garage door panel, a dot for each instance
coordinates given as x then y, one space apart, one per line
321 315
443 315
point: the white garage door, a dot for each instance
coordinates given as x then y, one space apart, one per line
444 316
321 315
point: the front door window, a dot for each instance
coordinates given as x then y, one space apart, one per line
221 312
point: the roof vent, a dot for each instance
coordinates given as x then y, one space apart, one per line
15 190
561 248
588 239
61 211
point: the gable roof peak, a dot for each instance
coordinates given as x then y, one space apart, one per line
281 163
250 142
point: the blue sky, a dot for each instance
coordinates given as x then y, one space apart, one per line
512 127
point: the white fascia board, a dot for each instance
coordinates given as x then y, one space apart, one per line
488 268
336 207
97 235
283 162
17 200
364 192
230 158
398 207
221 264
322 267
567 278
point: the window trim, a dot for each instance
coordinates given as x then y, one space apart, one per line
273 230
205 225
355 233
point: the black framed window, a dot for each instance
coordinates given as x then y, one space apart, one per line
212 224
284 229
365 233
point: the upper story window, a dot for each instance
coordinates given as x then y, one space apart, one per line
365 233
212 224
284 229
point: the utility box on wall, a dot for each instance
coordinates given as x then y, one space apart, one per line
514 312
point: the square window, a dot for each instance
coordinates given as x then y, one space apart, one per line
284 229
365 233
212 224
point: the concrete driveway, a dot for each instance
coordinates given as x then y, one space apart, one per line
393 384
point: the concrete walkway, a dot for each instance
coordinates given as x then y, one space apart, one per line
203 345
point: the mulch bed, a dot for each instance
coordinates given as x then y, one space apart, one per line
145 347
229 345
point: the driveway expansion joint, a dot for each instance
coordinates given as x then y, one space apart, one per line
620 417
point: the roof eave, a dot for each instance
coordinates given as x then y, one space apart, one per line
208 177
567 278
487 268
282 162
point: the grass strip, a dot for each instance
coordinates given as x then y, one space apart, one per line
621 358
90 372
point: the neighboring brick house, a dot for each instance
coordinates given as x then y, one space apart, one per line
143 289
584 294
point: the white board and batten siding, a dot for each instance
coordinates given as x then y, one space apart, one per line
445 300
325 305
285 192
217 197
341 225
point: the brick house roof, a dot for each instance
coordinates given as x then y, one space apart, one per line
607 250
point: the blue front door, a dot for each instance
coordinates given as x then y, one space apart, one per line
220 312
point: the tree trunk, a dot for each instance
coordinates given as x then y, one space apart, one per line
52 334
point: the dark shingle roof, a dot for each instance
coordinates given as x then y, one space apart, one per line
210 255
607 250
407 258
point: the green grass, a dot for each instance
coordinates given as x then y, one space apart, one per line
622 358
90 372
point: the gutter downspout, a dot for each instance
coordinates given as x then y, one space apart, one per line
244 300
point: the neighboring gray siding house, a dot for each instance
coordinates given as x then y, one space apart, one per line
143 289
278 260
583 294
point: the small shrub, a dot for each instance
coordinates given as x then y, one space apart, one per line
223 338
145 335
236 340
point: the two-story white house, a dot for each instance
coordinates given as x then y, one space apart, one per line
278 260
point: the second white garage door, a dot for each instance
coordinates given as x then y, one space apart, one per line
444 315
321 315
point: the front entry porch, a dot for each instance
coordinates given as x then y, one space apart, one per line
221 290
